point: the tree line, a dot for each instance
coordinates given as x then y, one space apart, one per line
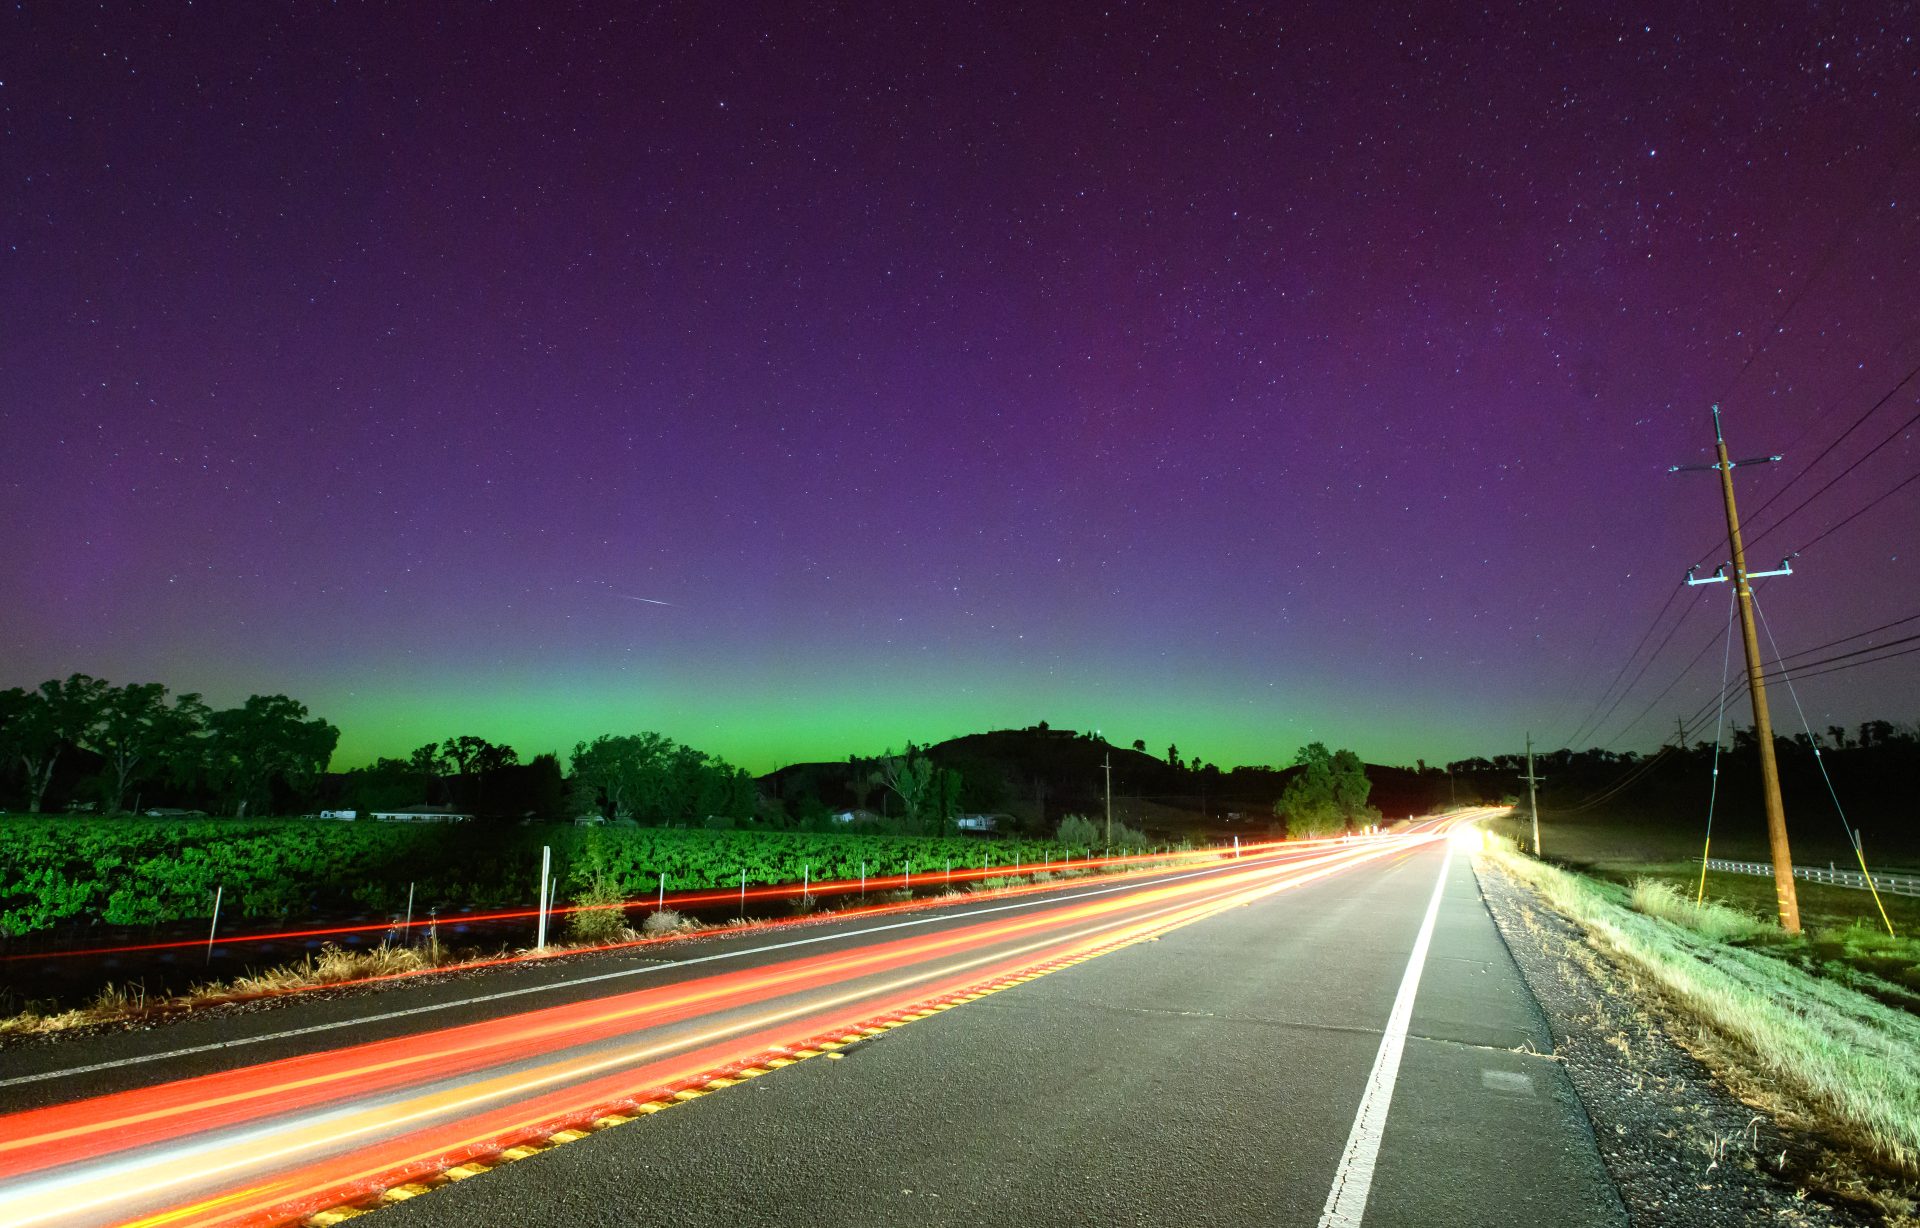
142 735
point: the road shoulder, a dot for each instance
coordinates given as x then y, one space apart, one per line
1681 1148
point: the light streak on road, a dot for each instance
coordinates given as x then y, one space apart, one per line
268 1143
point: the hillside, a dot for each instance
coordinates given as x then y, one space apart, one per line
1036 775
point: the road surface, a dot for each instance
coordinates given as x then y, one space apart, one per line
1335 1036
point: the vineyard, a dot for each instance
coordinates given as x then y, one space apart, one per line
58 872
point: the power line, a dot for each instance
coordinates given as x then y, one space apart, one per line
1586 722
1909 480
1804 470
1838 440
1858 461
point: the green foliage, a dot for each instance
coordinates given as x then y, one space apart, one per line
36 725
135 871
267 738
139 734
1328 795
1078 831
600 920
654 780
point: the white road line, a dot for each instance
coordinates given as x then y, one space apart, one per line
430 1007
1353 1180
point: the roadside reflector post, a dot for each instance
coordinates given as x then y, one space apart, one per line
909 878
409 925
949 871
863 880
806 884
546 863
660 901
1236 846
215 927
743 893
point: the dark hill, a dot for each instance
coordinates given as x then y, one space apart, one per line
1038 774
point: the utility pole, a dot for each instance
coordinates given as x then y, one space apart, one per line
1680 733
1783 888
1108 764
1533 802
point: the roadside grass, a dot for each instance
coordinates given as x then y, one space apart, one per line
1851 1061
1844 938
1711 920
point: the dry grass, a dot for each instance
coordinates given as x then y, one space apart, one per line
1712 921
1849 1062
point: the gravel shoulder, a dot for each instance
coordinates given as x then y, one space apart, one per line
1680 1145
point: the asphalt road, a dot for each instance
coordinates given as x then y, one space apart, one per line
1210 1075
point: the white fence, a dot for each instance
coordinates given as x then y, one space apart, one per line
1891 884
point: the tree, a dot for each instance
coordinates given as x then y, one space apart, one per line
652 779
945 789
1140 744
1351 789
1173 755
37 725
384 784
1328 795
470 756
139 732
266 739
910 778
425 760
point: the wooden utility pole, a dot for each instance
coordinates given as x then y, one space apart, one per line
1783 888
1533 802
1680 733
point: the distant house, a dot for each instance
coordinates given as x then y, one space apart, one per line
347 815
421 814
976 822
855 816
168 812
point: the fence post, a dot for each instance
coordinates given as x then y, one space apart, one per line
540 932
218 890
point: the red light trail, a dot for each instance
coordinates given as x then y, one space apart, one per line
272 1142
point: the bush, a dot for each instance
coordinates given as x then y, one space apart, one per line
662 922
1078 831
602 920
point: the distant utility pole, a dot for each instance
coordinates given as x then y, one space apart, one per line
1783 889
1680 732
1533 802
1108 764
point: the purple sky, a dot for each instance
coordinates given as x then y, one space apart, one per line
1199 376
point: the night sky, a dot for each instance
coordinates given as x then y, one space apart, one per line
1185 371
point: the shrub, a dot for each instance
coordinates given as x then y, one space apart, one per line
601 920
1078 831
